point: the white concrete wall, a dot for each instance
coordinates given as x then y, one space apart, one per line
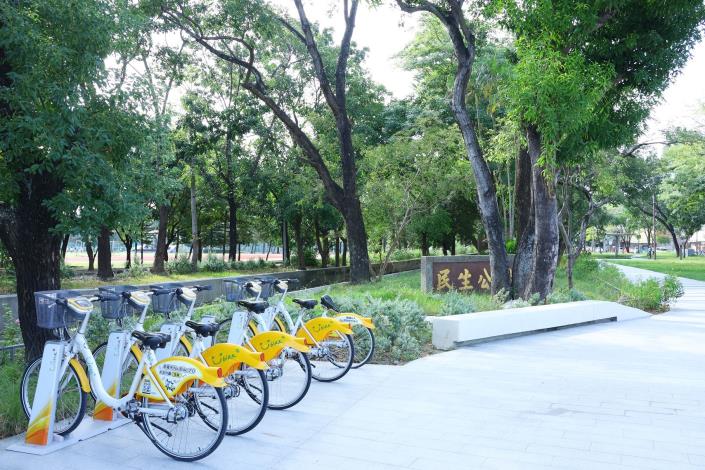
454 330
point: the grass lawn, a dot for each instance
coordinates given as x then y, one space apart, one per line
692 267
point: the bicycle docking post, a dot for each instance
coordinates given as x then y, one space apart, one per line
40 430
111 376
209 319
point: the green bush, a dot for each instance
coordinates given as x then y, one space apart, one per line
66 272
181 265
12 418
671 289
214 264
402 333
456 303
560 296
137 270
511 245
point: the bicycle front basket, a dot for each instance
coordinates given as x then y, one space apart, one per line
234 290
51 315
118 308
165 302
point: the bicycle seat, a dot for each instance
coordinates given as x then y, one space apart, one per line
152 340
254 306
203 329
328 303
306 303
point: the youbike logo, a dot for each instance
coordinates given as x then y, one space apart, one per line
321 326
217 360
271 343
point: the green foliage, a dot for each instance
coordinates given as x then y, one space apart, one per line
511 245
671 289
11 333
560 296
12 417
214 264
456 303
181 265
137 270
66 271
402 333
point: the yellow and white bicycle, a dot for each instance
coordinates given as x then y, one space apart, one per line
332 349
178 402
246 389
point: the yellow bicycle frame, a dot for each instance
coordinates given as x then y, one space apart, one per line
271 343
174 374
229 357
355 319
317 329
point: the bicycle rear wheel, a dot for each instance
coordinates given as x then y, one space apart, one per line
193 428
70 398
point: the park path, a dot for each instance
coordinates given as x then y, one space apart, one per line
628 395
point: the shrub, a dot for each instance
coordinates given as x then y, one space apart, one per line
12 418
671 289
181 265
563 296
214 264
402 332
456 303
511 245
137 270
66 272
645 295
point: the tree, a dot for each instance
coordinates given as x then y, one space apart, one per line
55 128
464 39
249 34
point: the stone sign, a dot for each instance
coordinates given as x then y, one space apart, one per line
465 273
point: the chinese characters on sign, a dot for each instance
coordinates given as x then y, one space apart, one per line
461 276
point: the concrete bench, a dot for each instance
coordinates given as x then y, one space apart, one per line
453 331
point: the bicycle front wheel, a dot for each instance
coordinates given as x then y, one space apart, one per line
289 378
193 428
70 398
247 394
364 344
333 357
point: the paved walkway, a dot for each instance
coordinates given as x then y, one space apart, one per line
608 396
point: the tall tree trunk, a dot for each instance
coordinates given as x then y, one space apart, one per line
27 232
160 253
545 222
286 246
91 254
64 246
345 251
195 242
299 240
522 192
232 226
524 258
424 244
105 267
128 251
337 251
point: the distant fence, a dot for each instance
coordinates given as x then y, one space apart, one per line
307 278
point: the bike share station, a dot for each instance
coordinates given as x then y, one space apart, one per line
40 438
57 385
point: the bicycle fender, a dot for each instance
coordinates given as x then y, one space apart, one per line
175 373
355 319
229 356
319 328
81 373
271 343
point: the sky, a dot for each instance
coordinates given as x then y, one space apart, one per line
385 30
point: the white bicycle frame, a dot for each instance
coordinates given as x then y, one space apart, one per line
79 346
265 320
